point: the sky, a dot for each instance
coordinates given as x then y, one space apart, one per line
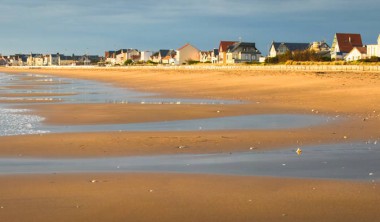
95 26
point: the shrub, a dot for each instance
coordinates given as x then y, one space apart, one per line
150 62
272 60
192 62
128 62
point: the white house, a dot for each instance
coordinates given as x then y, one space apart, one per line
110 57
374 50
145 55
356 53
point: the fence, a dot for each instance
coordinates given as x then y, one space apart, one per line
218 67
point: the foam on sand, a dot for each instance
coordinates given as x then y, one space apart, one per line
17 122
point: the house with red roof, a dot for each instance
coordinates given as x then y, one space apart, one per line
343 43
223 48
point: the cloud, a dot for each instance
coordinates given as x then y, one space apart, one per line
152 23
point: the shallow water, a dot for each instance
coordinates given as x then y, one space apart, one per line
84 91
360 161
19 122
261 122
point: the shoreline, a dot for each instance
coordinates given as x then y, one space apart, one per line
263 93
192 197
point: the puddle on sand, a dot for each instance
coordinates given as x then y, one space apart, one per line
360 161
259 122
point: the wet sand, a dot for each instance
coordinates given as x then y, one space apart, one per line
121 197
356 96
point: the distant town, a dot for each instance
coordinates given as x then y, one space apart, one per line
345 47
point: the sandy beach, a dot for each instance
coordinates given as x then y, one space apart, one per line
355 96
152 197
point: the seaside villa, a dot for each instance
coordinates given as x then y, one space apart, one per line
241 52
279 48
343 43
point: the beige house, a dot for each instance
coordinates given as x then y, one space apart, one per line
356 53
222 52
35 60
374 50
187 53
123 55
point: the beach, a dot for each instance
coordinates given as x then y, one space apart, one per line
351 97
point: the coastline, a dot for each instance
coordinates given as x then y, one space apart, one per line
353 96
187 197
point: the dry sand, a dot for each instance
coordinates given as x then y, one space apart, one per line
173 197
152 197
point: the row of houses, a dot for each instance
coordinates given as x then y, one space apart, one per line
48 60
345 46
227 53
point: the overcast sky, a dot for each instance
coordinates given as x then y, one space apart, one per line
94 26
